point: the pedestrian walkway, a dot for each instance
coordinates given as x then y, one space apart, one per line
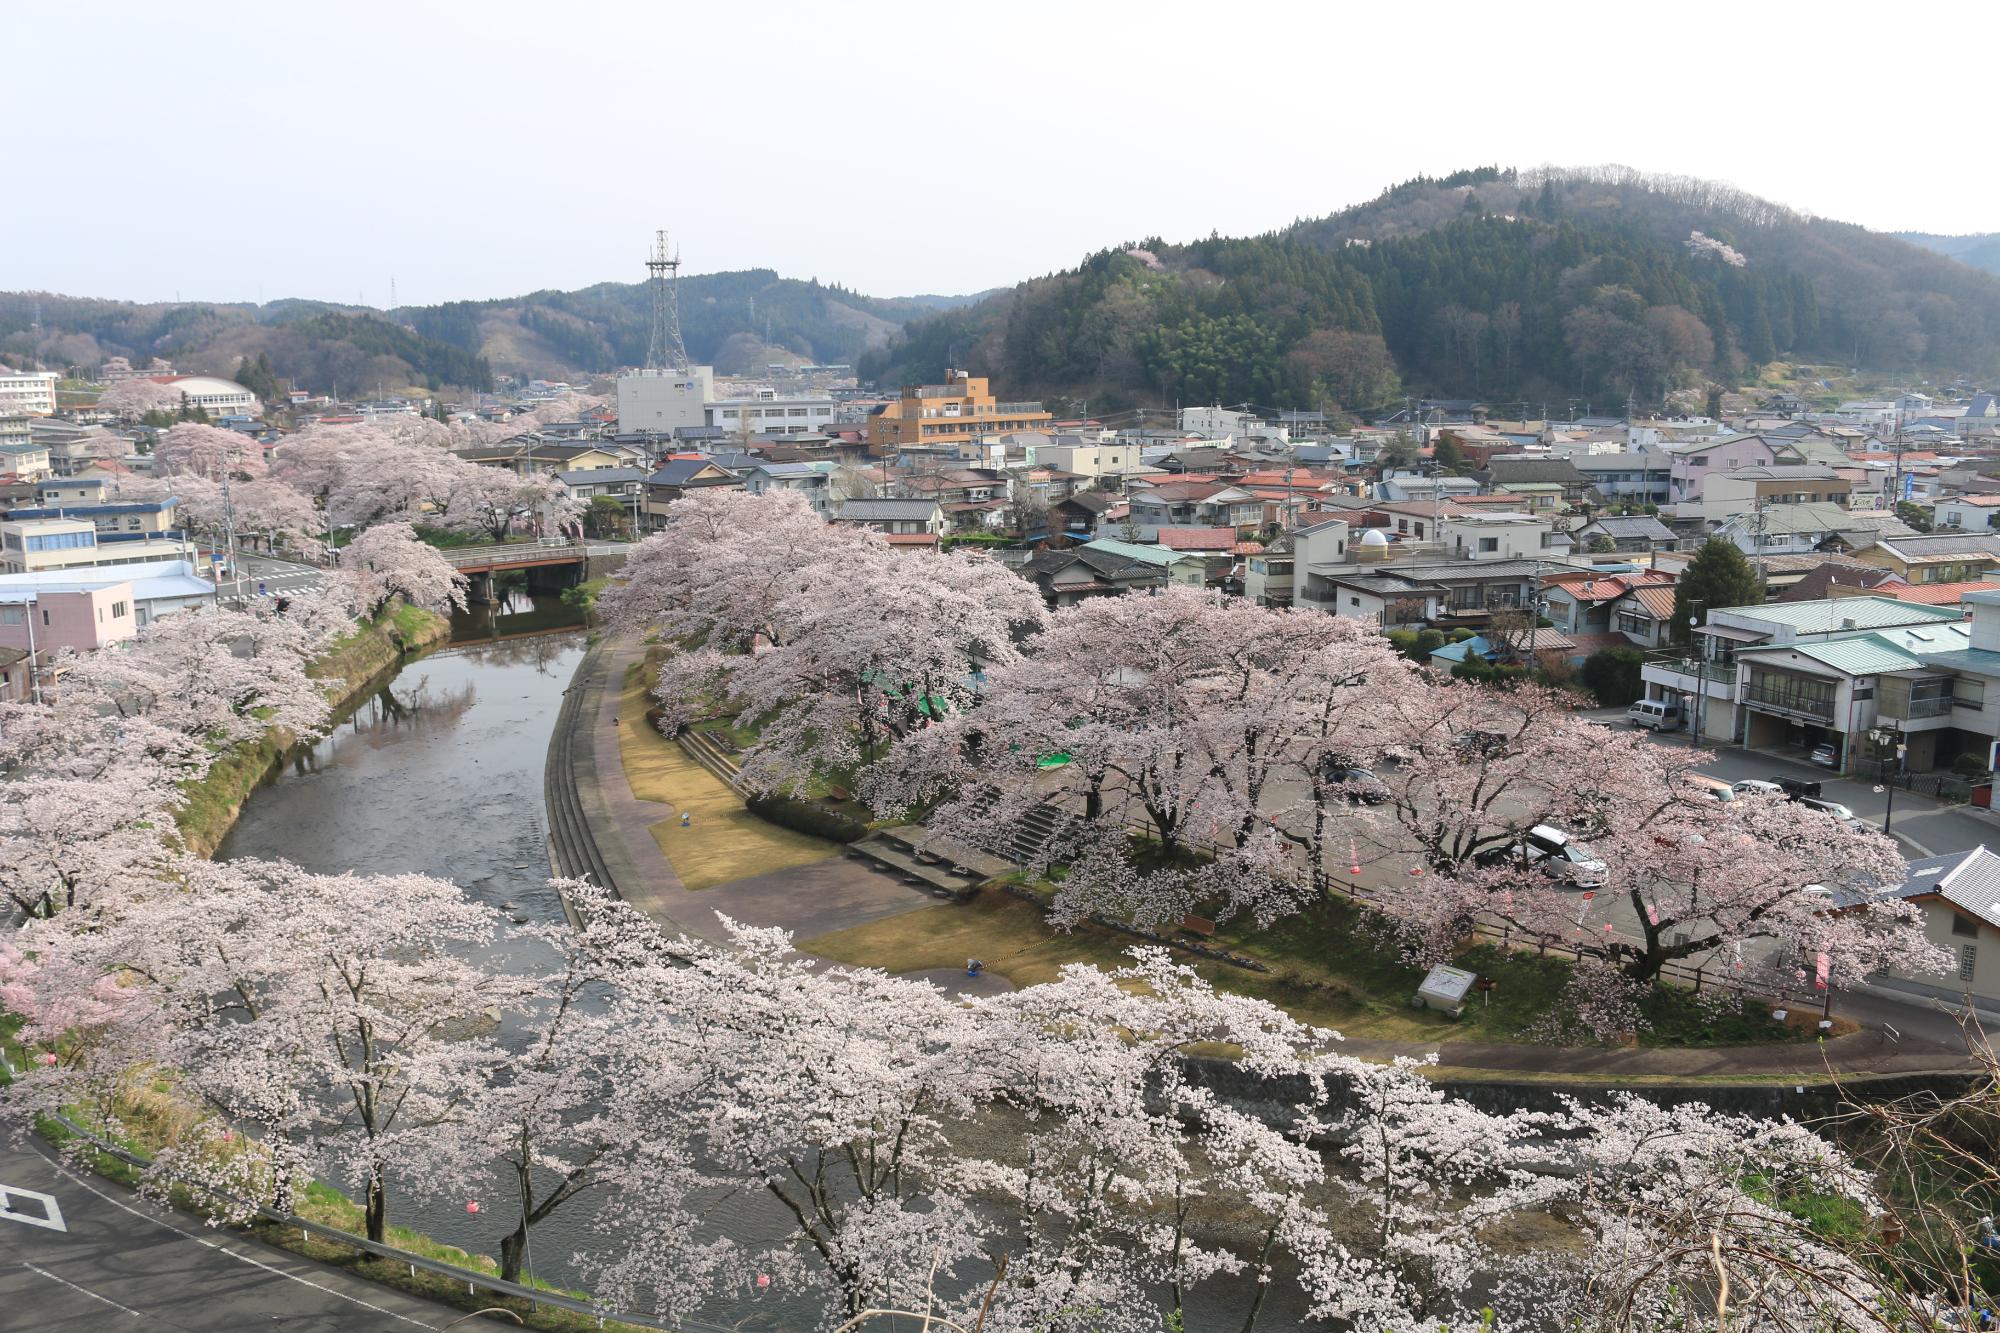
807 897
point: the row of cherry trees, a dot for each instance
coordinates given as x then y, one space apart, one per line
338 476
1046 1157
1220 733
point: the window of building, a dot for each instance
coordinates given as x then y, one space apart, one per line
1968 961
1354 601
1964 925
45 616
1967 692
1631 624
13 615
1489 543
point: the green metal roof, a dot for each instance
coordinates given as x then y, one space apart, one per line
1864 656
1152 555
1832 614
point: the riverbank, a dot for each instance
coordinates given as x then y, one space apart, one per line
353 667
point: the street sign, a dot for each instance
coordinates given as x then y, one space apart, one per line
41 1209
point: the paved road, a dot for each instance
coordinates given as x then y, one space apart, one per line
102 1259
278 577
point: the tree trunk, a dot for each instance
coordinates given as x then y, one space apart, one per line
511 1248
378 1208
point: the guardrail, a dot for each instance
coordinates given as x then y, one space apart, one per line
520 553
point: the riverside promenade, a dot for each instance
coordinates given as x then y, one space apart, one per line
601 829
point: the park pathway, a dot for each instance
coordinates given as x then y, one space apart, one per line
619 844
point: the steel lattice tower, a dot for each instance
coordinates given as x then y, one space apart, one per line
664 348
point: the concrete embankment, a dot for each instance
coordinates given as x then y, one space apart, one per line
353 669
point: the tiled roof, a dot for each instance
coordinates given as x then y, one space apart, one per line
1940 547
1636 525
1938 594
1969 880
1198 539
1657 599
870 511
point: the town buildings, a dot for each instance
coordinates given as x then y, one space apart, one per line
937 418
27 393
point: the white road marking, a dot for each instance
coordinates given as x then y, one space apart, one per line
220 1248
85 1290
51 1218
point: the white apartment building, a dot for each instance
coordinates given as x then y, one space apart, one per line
769 413
214 395
29 393
659 402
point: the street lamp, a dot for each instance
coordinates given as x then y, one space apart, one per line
1888 741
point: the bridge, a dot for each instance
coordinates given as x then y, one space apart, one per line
470 560
568 561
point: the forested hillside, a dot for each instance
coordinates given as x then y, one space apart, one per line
726 319
1544 288
1980 252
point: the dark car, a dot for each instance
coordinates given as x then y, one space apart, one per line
1799 789
1486 743
1359 785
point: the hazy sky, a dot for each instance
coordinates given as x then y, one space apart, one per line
229 151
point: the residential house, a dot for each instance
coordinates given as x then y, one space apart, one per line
528 454
1645 615
1795 529
1959 896
1834 579
1732 492
1497 536
678 477
1968 513
1627 534
1790 675
802 479
1417 593
1936 557
1506 472
1412 486
907 517
1187 570
41 618
1637 478
1191 503
1074 573
1082 512
1584 601
1693 463
621 482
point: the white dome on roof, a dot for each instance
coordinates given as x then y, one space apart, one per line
1374 537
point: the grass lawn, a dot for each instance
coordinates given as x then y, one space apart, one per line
1329 969
724 841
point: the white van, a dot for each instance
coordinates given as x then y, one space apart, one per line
1659 714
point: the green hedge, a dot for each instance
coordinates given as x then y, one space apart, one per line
808 817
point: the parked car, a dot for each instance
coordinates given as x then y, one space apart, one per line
1834 808
1798 789
1486 743
1756 787
1555 853
1655 714
1359 785
1826 755
1715 789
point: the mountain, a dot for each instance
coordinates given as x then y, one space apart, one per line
1981 251
737 322
1544 287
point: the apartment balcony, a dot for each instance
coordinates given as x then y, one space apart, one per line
1676 669
1789 703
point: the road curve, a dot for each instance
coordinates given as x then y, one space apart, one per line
103 1259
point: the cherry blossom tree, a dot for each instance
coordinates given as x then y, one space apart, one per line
267 507
387 562
137 397
215 675
334 1018
208 451
1205 723
842 686
722 571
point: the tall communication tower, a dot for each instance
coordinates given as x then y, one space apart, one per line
664 348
